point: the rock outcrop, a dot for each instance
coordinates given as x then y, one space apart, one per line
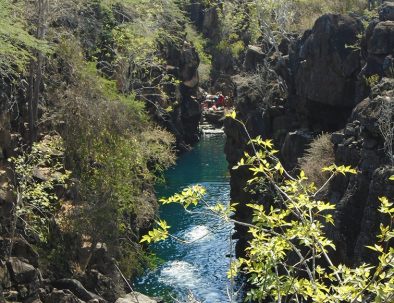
324 63
21 281
136 297
361 144
185 114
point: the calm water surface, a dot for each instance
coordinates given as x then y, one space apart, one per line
199 267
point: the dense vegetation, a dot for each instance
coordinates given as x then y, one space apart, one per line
87 90
77 80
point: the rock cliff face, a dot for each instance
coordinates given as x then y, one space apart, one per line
329 72
21 279
184 119
361 145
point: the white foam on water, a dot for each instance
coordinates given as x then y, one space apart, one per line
185 276
199 232
180 274
211 297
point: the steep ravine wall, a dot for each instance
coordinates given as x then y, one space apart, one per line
325 72
31 275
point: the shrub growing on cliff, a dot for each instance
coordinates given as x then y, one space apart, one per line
140 37
198 41
319 154
36 174
288 258
288 16
386 127
264 86
267 22
114 151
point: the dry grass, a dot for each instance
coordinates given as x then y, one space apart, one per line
319 154
308 11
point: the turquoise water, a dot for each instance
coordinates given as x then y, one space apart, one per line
199 267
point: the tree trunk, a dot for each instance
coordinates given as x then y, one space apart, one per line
36 66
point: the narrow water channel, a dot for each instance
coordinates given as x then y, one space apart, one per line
199 267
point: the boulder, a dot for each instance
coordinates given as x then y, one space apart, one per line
386 11
253 57
109 287
135 297
370 109
77 289
62 296
382 39
22 249
21 272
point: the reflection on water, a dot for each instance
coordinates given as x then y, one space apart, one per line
201 265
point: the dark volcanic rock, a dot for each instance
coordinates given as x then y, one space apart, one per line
328 92
371 218
5 278
211 21
325 68
77 289
190 114
386 11
62 296
254 56
22 249
378 50
294 146
21 272
188 65
382 39
102 275
370 109
184 120
356 197
5 135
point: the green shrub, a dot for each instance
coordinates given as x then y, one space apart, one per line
111 146
36 174
200 44
16 43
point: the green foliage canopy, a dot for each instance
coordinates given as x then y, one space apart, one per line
16 44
